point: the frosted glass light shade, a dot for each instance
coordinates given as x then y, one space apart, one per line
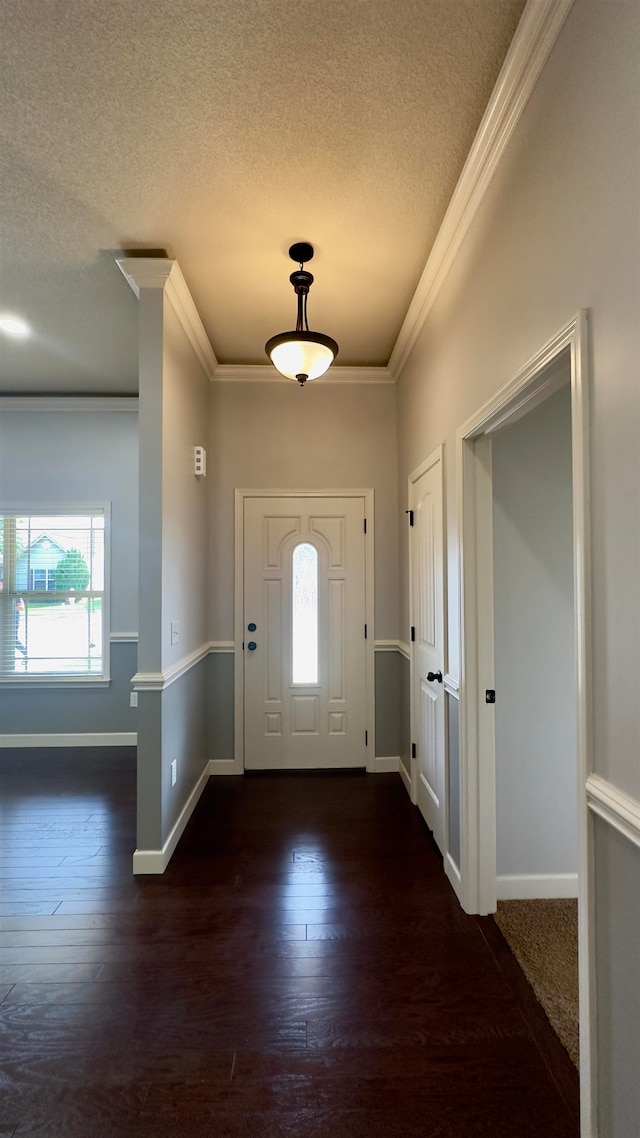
302 355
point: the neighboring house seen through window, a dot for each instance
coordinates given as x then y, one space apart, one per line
52 596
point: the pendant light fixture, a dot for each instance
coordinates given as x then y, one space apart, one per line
301 355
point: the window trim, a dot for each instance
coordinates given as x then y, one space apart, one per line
68 509
33 588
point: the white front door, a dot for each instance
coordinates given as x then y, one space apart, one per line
304 633
427 620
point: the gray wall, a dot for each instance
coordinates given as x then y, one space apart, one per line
77 456
74 711
618 948
174 543
557 231
220 689
49 458
185 738
185 513
387 694
535 713
405 713
278 436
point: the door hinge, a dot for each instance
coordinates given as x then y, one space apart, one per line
365 632
365 525
413 750
410 513
413 632
366 738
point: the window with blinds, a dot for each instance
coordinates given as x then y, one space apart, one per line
52 596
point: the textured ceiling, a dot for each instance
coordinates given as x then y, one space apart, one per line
222 131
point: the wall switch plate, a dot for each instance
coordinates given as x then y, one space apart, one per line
199 462
133 699
174 772
175 631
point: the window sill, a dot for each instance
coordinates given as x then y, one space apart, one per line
55 682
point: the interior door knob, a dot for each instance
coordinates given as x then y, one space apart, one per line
435 676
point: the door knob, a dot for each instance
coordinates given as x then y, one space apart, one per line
252 645
435 676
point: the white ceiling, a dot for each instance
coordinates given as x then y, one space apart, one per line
222 131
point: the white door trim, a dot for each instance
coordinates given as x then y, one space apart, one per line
368 499
540 377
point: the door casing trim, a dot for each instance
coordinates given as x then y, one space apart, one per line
240 495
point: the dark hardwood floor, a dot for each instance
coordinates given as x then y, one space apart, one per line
302 969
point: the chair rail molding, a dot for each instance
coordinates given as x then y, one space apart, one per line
451 686
387 646
68 403
620 810
158 681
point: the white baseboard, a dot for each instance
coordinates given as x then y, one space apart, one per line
95 739
405 776
453 875
223 766
533 886
156 861
386 764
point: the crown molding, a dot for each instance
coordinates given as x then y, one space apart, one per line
145 272
267 373
68 403
537 32
182 303
165 274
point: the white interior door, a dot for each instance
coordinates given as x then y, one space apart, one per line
427 619
304 633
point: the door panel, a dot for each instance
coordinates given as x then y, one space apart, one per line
288 724
427 607
428 768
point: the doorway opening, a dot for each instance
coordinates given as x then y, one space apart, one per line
492 859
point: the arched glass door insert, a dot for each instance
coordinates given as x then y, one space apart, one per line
304 624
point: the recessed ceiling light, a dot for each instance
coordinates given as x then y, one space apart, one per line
14 326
